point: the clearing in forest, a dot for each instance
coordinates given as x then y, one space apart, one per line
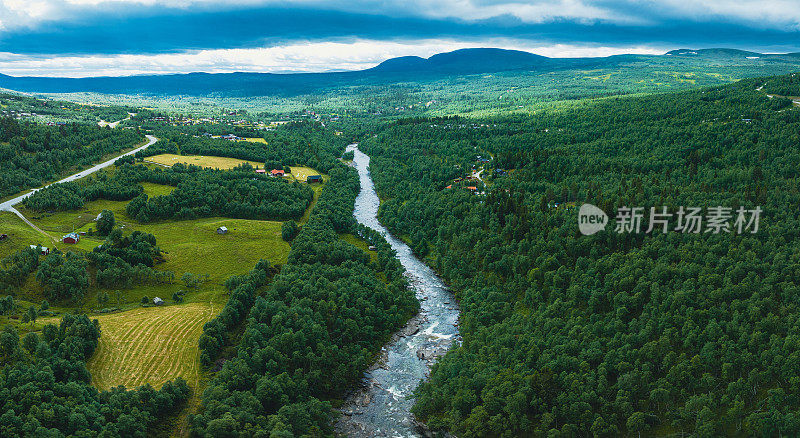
222 163
150 345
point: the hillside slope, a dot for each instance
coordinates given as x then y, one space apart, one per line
462 62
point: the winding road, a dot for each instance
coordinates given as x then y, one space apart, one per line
9 205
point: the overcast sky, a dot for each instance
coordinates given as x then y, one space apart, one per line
98 37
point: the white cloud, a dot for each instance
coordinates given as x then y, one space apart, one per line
760 13
766 13
297 57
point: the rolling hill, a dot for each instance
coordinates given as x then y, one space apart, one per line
408 68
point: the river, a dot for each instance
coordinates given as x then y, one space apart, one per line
381 407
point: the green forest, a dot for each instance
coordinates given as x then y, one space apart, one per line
632 334
609 334
311 334
32 154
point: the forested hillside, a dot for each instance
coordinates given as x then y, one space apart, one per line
312 333
783 85
46 392
610 334
33 154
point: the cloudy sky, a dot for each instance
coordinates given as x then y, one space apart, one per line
121 37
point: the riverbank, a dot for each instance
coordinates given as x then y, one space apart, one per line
382 405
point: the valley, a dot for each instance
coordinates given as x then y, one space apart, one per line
394 252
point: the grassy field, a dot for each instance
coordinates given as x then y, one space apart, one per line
222 163
20 235
150 345
188 246
153 189
301 172
360 243
255 140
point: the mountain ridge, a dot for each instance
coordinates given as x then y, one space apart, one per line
458 62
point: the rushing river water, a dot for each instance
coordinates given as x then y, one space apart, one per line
381 407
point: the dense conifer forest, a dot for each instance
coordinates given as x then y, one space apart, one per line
311 334
613 334
32 154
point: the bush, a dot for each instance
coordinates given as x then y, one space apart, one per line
289 230
106 222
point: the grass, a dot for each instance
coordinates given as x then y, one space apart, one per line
150 345
360 243
20 235
317 188
222 163
301 172
153 189
255 140
188 246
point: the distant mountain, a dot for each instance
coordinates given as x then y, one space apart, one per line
401 64
466 61
406 68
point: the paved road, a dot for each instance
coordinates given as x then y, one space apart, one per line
478 175
9 205
113 125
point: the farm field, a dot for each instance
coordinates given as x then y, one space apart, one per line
300 173
188 246
222 163
150 345
20 235
255 140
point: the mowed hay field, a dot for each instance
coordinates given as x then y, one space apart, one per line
150 345
255 140
300 173
222 163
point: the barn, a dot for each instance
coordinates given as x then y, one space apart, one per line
277 172
314 179
71 238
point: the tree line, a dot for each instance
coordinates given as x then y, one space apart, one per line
32 154
46 389
199 192
610 334
311 333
